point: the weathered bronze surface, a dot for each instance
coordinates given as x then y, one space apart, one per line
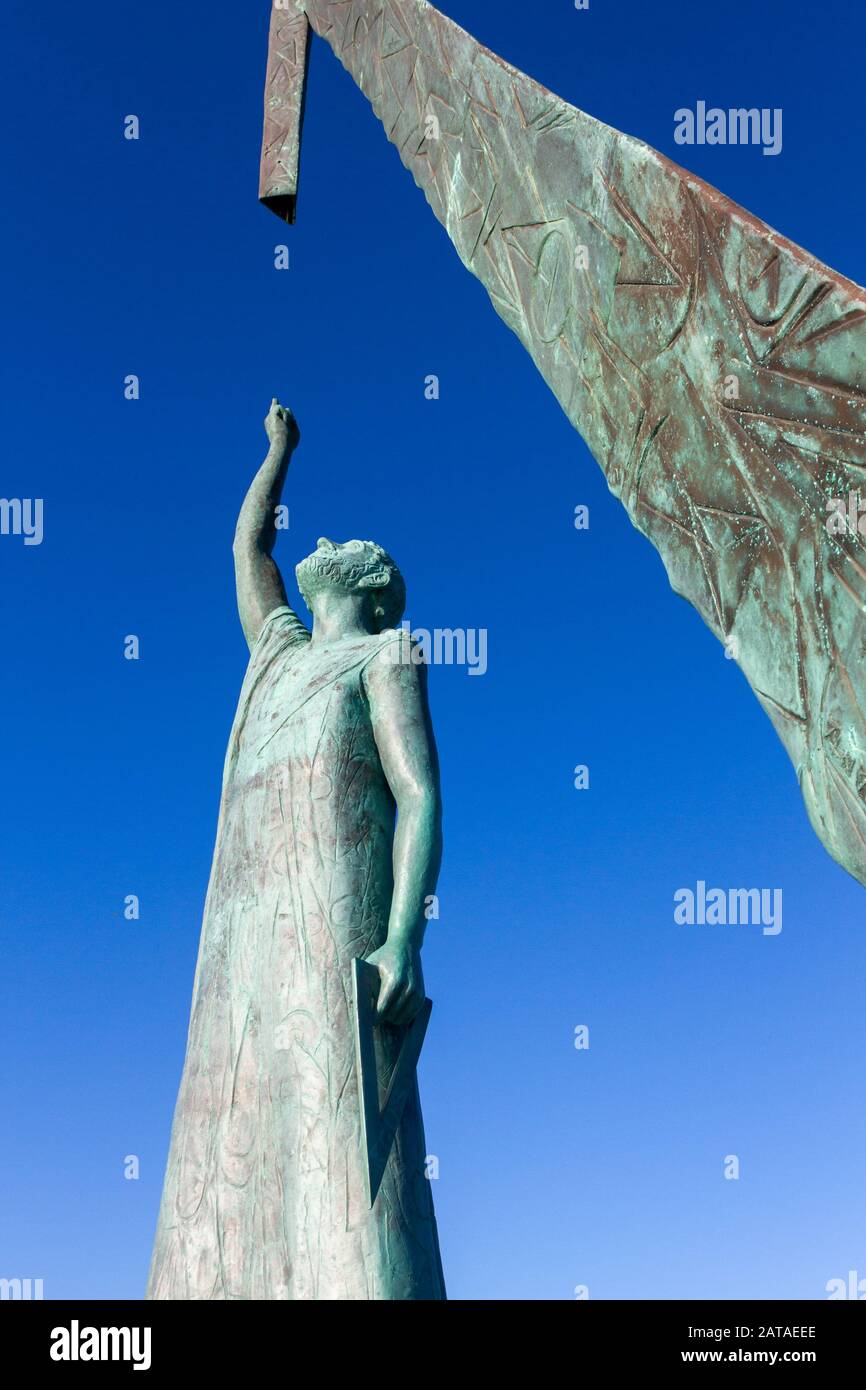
716 370
381 1115
285 87
327 851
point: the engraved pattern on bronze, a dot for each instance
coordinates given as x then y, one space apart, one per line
640 291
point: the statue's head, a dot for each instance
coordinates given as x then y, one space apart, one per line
355 567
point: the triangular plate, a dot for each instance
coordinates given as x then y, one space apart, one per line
379 1123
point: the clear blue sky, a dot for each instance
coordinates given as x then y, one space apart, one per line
558 1167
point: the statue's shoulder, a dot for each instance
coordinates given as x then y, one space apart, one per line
391 647
282 628
391 641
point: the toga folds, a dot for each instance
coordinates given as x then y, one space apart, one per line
264 1194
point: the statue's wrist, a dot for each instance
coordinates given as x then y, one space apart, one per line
403 939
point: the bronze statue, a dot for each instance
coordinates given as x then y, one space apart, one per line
266 1192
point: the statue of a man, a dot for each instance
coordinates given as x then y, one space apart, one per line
328 847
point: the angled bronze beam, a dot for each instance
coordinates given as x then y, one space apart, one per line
716 371
285 92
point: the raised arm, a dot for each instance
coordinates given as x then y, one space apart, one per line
396 689
259 582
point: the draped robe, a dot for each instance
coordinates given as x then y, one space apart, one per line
264 1192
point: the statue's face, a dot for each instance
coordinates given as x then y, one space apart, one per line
335 565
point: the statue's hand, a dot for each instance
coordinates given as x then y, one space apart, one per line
401 991
281 427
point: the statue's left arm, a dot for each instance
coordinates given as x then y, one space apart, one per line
396 690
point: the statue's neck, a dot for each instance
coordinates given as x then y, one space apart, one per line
338 616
